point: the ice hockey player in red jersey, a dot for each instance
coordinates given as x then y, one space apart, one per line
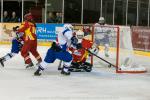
81 55
30 40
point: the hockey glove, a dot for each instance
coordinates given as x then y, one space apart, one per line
74 41
55 47
15 28
19 35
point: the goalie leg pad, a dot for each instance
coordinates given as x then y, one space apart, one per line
87 67
81 67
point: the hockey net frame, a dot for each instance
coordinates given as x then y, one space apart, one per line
117 66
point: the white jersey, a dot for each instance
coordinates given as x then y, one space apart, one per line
101 29
101 33
64 38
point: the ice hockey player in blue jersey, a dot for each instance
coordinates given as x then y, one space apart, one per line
60 51
15 48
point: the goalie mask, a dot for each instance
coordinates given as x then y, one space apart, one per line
79 35
101 21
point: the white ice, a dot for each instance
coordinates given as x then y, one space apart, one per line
18 83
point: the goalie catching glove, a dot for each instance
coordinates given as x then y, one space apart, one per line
94 49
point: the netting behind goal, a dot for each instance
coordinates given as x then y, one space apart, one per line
116 47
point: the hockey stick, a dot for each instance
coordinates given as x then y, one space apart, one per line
110 64
59 66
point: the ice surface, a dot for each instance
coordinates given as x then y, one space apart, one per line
18 83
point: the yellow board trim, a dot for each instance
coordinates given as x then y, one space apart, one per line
142 53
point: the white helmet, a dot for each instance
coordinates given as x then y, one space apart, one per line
101 20
79 35
68 26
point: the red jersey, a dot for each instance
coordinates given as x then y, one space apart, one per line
28 29
79 55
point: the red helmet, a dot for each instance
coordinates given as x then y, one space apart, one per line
28 16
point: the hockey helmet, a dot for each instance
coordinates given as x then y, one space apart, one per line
28 16
79 35
68 26
101 20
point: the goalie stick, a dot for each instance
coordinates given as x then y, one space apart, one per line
110 64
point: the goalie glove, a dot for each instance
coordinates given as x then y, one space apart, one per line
74 41
94 49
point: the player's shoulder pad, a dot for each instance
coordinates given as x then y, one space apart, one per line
66 30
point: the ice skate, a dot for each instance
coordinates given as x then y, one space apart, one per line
59 68
2 61
38 72
65 71
30 65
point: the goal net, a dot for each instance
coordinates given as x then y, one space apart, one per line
115 46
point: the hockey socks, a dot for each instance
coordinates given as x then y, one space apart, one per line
6 57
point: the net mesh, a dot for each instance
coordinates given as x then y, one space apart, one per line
116 47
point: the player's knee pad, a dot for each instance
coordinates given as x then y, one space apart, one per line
50 56
68 57
64 56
